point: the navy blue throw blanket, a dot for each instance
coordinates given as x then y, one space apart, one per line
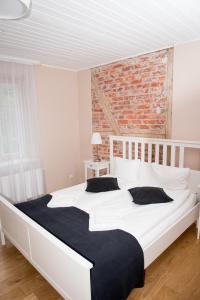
117 256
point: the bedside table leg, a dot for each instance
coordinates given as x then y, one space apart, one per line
198 225
3 242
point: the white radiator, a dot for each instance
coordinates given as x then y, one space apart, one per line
20 187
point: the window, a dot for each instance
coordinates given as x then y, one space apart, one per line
9 132
21 176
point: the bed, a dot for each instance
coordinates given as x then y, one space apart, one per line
26 234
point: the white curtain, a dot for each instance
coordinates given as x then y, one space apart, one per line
20 170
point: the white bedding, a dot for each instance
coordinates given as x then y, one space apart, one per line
115 210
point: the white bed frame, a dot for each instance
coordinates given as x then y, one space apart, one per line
66 270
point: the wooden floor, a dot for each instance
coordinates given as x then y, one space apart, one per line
175 275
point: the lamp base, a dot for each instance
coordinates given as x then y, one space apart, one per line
97 159
96 156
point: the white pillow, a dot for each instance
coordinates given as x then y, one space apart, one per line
125 169
147 177
172 178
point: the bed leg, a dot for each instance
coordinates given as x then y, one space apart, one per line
3 241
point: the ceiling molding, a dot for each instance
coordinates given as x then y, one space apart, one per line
123 58
59 68
18 60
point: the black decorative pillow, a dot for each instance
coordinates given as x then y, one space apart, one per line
149 195
102 184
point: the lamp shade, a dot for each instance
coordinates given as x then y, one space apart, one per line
96 138
14 9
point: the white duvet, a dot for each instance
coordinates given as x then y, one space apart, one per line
115 210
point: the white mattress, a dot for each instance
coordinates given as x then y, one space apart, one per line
161 222
115 210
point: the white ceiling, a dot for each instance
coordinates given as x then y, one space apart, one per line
79 34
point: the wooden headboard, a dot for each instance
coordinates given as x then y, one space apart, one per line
162 151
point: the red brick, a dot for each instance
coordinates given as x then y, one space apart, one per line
133 89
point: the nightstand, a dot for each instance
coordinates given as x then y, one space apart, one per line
96 166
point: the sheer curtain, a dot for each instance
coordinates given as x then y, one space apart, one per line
21 175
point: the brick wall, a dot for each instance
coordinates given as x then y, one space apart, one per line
125 96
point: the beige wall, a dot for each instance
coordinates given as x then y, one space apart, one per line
85 116
59 126
186 92
186 98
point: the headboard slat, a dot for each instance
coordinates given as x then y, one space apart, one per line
124 149
136 150
173 153
149 151
130 150
164 155
157 153
142 152
181 157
